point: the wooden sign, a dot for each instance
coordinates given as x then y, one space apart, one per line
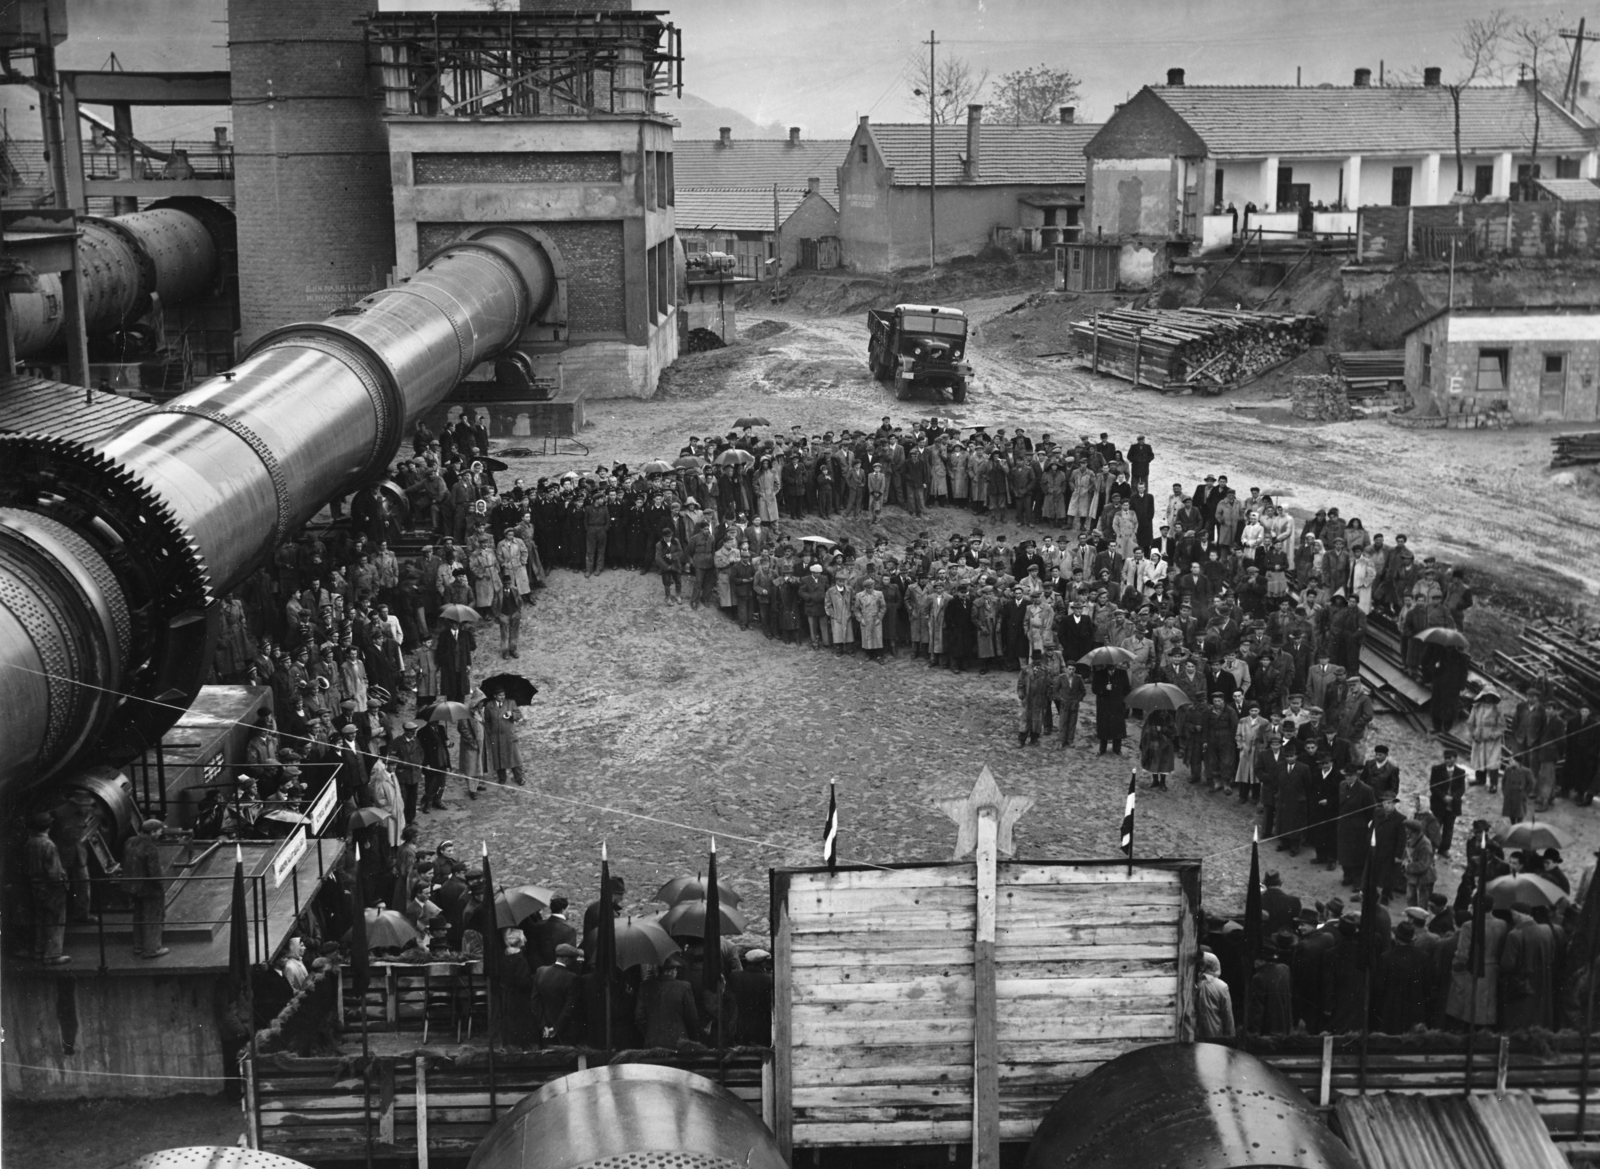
322 807
894 1024
289 854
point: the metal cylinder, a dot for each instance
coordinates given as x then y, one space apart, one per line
212 1157
1185 1106
187 499
638 1116
124 263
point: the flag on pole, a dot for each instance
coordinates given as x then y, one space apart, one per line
1127 813
239 984
360 958
1252 900
830 832
713 931
1367 951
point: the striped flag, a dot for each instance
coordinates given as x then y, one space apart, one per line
830 832
1127 814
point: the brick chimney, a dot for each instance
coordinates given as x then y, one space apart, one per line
726 135
1174 76
794 135
863 119
1431 76
1069 114
974 139
813 186
1363 78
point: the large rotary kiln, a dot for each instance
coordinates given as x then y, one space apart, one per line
166 255
114 544
629 1116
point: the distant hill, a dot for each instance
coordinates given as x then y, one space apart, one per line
701 119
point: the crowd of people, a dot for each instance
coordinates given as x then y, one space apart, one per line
1308 975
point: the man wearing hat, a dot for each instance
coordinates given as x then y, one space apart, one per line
666 1013
47 882
143 881
1269 1009
1280 908
552 991
407 753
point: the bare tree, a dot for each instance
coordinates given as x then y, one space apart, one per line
1026 96
1535 42
954 84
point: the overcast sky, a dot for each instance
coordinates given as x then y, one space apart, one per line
819 64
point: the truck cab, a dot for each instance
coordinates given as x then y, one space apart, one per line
919 344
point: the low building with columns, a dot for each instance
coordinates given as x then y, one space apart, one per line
1203 162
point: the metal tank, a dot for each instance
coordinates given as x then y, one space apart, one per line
630 1116
169 252
212 1157
1185 1106
113 546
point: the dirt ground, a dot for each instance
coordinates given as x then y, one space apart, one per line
677 724
97 1134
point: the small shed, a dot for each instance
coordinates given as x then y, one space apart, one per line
1566 190
1540 362
1087 267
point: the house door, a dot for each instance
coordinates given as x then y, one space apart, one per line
1400 187
1553 386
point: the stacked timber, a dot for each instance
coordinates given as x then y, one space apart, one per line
1199 349
1565 664
1371 374
1576 450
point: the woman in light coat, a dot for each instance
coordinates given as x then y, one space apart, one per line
1486 732
938 475
726 557
1461 1003
957 460
836 604
768 483
386 797
1362 575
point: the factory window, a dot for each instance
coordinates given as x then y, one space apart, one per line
672 189
1427 364
661 178
649 178
1492 370
691 245
651 259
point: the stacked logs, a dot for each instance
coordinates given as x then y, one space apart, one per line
1321 397
1576 450
1204 350
1371 374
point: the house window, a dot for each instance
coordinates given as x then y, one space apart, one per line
692 245
1567 168
1483 181
863 149
1555 363
1492 370
1216 194
1285 191
1427 364
1400 187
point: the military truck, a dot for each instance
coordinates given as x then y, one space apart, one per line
919 345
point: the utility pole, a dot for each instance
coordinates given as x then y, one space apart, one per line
1569 93
933 156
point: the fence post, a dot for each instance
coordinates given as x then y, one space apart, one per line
1503 1071
422 1112
1326 1094
252 1103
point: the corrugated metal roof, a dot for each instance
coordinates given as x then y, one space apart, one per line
732 210
1396 1130
757 162
1256 121
1050 154
1571 190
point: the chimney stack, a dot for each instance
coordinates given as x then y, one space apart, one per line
974 143
813 186
1363 78
794 135
1174 76
863 119
1431 76
1068 115
726 133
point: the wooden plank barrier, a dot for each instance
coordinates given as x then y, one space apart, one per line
876 1000
312 1109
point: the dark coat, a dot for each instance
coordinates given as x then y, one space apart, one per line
1282 909
1271 1008
1403 987
1445 789
960 634
1356 802
1293 813
553 987
1110 710
666 1013
515 1017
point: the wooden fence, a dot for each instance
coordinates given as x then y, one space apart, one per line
428 1103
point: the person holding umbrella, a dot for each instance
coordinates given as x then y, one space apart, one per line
1110 710
501 750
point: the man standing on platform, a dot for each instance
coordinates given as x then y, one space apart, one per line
142 880
1447 783
48 881
407 753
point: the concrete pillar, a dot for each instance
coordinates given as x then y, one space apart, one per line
1269 184
1352 181
1504 175
1430 180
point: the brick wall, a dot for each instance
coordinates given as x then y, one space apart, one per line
593 252
1535 230
592 166
314 203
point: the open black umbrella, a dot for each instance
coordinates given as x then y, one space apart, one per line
489 464
517 688
751 421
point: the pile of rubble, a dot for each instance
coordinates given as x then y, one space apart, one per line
1321 397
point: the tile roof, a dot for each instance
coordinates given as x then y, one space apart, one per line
1050 154
1246 121
751 163
730 209
1394 1130
1571 190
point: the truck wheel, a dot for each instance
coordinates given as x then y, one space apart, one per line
881 370
958 390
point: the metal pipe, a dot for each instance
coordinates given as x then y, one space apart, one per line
186 500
